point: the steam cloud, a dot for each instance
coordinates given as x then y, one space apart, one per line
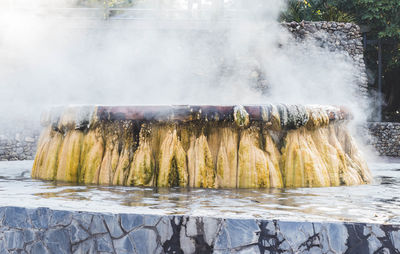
249 59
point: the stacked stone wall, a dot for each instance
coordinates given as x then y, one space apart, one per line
336 36
385 138
18 144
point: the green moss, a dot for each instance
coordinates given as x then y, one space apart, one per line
173 176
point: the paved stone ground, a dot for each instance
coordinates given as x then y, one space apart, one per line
43 230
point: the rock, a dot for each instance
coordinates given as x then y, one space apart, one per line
141 240
16 217
97 226
131 221
123 245
37 248
30 140
14 239
103 243
40 218
77 233
87 246
60 218
57 241
113 225
83 219
164 229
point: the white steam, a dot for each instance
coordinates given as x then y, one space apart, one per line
203 59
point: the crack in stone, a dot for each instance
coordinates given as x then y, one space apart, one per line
356 241
173 245
267 241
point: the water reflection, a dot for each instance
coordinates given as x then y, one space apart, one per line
378 202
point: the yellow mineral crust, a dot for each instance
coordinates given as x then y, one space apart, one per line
225 151
314 150
172 162
200 163
92 151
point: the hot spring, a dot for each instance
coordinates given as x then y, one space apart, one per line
200 146
242 138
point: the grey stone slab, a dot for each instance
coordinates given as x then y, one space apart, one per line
131 221
57 241
164 229
250 250
60 218
97 226
16 217
40 217
29 235
112 222
151 220
141 240
104 243
222 241
295 233
87 247
14 239
211 227
191 226
395 239
337 235
77 233
84 219
187 242
37 248
242 232
123 245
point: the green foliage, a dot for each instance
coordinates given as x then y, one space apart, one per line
382 16
315 10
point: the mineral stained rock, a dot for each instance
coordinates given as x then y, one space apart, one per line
200 146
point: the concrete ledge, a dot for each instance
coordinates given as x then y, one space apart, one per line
43 230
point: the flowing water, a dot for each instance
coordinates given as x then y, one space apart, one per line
378 202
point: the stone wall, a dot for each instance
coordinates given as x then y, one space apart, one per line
18 144
43 230
336 36
385 138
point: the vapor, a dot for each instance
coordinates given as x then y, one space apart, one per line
166 58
